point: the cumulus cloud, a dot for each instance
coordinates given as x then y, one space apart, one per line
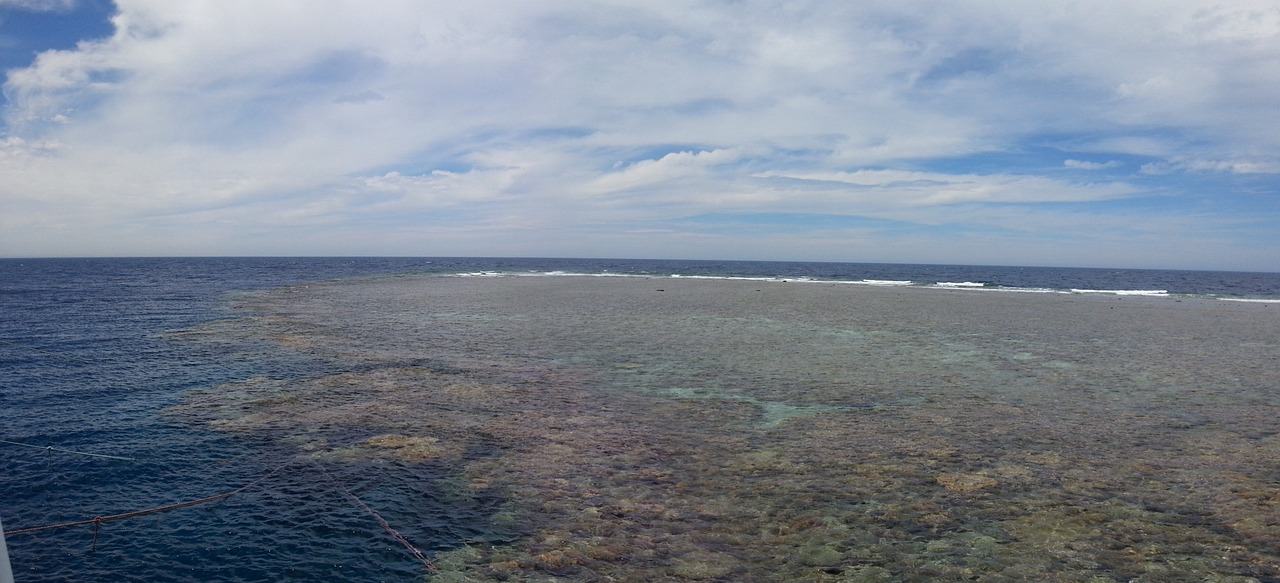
567 117
14 147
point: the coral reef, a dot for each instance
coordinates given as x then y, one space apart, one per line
716 435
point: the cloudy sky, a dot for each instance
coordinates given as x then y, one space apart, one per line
1143 133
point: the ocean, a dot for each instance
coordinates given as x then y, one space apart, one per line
636 420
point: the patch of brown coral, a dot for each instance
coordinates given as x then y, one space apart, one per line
618 485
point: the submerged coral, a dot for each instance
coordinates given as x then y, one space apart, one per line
802 433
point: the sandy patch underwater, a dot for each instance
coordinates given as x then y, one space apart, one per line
635 429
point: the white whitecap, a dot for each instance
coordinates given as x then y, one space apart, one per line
888 282
1124 292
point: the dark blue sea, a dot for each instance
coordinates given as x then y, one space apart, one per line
93 351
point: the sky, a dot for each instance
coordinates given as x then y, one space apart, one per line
1143 133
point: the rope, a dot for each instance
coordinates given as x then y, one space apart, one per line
97 521
393 532
63 450
156 459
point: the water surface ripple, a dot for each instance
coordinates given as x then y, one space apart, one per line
677 429
772 426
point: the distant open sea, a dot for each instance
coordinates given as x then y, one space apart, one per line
96 355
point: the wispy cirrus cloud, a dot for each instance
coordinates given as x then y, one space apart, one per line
38 5
1179 165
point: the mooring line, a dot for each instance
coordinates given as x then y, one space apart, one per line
97 521
393 532
158 459
72 451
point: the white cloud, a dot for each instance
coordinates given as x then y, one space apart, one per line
898 188
1213 166
440 188
1086 165
673 166
515 114
13 148
39 5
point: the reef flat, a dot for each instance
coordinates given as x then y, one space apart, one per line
658 429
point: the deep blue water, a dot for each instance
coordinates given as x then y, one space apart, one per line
88 360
